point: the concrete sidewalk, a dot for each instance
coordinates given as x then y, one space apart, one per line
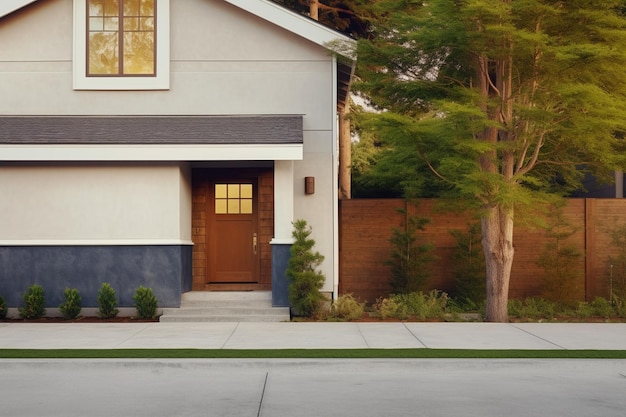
312 335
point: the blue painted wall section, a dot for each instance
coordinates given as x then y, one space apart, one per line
165 269
280 283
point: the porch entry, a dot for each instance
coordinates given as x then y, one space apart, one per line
231 236
234 236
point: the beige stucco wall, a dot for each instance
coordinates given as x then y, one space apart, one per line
94 204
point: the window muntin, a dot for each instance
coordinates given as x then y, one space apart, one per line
121 38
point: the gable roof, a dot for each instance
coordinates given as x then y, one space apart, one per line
298 25
9 6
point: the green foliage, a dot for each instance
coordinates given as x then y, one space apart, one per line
3 309
617 263
145 303
71 306
414 305
410 258
505 102
305 281
560 260
346 307
34 303
107 302
538 309
469 266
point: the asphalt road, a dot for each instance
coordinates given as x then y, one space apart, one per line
319 388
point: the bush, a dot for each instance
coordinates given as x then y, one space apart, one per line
532 309
3 309
107 302
602 307
70 308
34 303
305 281
469 267
410 258
145 303
346 307
416 304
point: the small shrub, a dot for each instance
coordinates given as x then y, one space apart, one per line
70 308
532 309
346 307
107 302
469 267
34 303
416 304
619 305
3 309
305 281
145 303
410 258
602 307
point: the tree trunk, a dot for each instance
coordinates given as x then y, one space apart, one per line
497 239
314 6
345 157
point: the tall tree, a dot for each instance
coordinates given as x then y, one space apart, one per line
506 101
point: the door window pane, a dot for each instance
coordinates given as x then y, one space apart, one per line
233 199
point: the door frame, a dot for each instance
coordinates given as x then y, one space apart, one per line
202 202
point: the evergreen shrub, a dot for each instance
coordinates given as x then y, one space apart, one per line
3 309
71 306
305 281
107 302
34 303
145 303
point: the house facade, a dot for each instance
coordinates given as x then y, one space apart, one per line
169 144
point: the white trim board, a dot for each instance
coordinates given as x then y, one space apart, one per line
280 152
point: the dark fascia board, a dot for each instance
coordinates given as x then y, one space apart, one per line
151 130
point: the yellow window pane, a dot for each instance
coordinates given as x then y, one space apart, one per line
246 190
220 190
233 206
233 190
103 47
96 7
220 207
147 8
246 206
131 23
146 23
111 7
131 7
138 53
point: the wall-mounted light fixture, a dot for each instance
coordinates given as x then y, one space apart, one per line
309 185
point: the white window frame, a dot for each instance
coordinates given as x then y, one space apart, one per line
159 82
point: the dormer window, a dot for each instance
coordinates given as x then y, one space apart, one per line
121 38
121 44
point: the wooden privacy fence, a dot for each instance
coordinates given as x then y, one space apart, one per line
366 225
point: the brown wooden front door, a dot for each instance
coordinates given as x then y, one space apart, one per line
230 205
233 241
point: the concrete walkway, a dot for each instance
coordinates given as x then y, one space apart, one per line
312 335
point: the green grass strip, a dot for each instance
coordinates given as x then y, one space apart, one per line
306 354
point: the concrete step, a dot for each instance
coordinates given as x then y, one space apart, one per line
232 306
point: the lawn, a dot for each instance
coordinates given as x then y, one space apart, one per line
306 354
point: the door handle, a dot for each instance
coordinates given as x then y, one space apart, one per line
254 243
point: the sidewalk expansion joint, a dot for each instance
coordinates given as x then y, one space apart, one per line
258 414
230 336
538 337
415 336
